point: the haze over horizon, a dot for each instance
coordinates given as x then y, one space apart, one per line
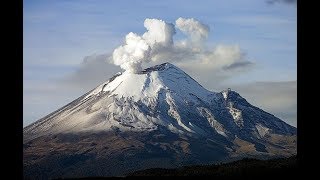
68 44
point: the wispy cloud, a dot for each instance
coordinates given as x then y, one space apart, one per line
291 2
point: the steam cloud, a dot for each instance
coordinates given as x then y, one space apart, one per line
195 29
131 55
138 48
156 45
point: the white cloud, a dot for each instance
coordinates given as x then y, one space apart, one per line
156 45
209 66
193 28
219 57
137 48
159 32
130 55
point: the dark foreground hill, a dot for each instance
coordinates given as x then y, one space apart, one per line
242 168
246 168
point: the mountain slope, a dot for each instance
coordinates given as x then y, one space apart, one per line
159 117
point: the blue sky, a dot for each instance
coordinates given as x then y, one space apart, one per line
58 36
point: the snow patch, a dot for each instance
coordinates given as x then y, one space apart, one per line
225 93
173 129
204 112
174 114
237 116
262 130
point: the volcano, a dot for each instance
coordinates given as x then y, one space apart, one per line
156 118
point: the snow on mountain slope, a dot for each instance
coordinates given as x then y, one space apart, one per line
115 103
164 96
149 82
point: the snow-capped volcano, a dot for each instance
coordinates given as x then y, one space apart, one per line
166 115
122 101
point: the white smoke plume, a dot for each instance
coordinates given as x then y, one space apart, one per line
131 55
156 45
137 48
193 28
159 32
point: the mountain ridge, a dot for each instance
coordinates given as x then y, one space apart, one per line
159 117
